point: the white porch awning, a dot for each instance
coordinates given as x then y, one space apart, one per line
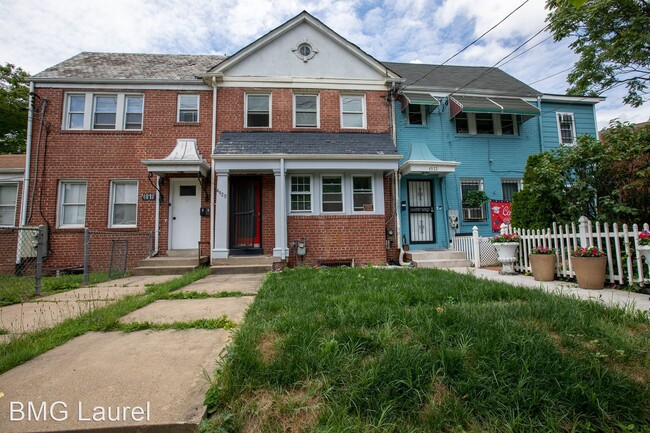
421 160
185 158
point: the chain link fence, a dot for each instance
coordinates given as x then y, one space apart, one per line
115 252
22 251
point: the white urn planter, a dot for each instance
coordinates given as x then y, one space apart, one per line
507 256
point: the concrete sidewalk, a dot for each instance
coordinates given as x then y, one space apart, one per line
45 312
610 297
155 380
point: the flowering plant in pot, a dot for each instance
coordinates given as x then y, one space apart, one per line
542 260
589 265
506 246
644 245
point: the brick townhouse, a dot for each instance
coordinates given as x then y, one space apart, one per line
285 143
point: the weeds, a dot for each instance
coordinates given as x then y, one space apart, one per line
219 323
14 289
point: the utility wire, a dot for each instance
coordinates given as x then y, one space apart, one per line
551 76
525 51
467 46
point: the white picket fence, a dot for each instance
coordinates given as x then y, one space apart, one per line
487 253
625 264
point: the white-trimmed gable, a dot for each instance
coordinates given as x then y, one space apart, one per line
273 60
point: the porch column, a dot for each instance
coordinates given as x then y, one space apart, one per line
280 216
221 250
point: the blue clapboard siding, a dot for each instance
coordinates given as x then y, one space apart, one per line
488 157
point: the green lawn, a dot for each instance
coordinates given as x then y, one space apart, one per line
18 289
378 350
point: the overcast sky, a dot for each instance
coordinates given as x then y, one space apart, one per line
38 34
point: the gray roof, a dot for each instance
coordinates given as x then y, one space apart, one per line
305 143
448 78
123 66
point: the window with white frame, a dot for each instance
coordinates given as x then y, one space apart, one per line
258 111
124 203
508 124
133 106
188 108
72 203
472 213
509 187
353 111
484 123
103 111
566 128
305 114
416 114
461 122
300 193
8 195
362 194
76 110
331 194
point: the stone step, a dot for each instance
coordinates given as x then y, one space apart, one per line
183 253
443 263
162 270
241 269
437 255
245 260
170 261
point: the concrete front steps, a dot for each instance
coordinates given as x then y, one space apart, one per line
243 265
176 262
439 259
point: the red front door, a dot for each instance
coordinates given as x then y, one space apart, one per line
246 213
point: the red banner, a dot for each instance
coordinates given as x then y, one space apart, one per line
500 211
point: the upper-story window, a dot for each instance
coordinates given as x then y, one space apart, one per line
258 111
188 108
462 123
103 111
305 114
485 124
416 114
353 111
566 128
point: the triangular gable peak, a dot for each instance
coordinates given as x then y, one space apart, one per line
303 53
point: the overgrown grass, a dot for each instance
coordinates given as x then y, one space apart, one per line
22 349
20 289
203 295
377 350
221 322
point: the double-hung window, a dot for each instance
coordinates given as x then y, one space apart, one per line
471 213
484 123
305 111
362 194
8 194
258 111
566 128
72 203
188 108
509 187
105 112
133 106
416 114
353 111
76 109
300 194
332 194
124 203
462 123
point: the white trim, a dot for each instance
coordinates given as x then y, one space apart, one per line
559 128
518 181
364 111
126 97
89 111
16 185
317 95
111 202
66 113
573 99
308 156
374 199
59 212
343 195
178 108
311 195
246 95
349 85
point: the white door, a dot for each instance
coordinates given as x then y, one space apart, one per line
185 219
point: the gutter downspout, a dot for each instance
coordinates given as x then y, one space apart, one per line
539 121
283 206
214 141
28 157
157 232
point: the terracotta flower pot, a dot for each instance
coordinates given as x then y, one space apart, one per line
590 271
543 266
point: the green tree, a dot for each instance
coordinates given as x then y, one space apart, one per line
612 38
606 180
14 100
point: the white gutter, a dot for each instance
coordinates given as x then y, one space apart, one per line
539 122
157 233
214 141
28 157
334 157
283 206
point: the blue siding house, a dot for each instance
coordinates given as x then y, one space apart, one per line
471 128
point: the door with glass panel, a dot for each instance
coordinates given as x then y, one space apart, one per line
421 212
246 214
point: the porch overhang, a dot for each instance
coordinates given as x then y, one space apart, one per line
184 159
428 167
483 104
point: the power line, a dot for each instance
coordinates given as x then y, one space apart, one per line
525 51
551 76
467 46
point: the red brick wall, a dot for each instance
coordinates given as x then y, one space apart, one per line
392 253
99 156
230 111
268 214
338 237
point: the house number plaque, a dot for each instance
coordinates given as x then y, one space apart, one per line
148 196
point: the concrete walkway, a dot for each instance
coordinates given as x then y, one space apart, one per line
155 380
45 312
610 297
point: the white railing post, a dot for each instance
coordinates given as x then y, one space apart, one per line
477 247
583 231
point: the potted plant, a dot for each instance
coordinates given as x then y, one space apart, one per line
506 246
644 245
542 260
589 265
475 198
